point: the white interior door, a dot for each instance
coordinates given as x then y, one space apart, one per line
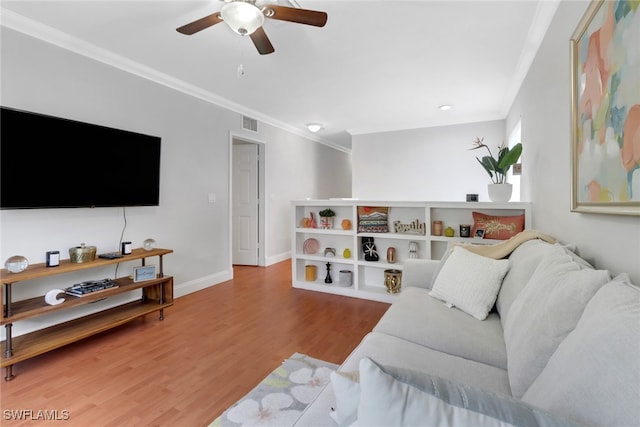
245 203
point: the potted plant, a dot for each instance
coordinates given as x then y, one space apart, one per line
326 218
497 168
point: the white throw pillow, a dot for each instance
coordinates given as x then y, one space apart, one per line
346 387
392 396
470 282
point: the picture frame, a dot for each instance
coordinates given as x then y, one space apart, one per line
605 111
479 233
146 272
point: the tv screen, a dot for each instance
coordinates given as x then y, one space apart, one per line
51 162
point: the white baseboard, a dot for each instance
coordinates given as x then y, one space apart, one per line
191 286
277 258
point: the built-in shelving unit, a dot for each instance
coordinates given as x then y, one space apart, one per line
368 276
157 294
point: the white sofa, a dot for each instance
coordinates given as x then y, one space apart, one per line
560 346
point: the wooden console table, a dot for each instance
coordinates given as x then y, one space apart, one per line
157 294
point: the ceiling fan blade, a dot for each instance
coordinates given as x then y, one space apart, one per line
300 16
261 41
200 24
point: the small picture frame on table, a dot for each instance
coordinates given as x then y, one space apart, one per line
479 233
147 272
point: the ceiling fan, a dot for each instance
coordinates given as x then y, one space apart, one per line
245 17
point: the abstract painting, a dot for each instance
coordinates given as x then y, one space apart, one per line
605 80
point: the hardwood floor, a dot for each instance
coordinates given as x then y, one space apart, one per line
212 348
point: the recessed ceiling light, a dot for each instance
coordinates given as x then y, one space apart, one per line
445 107
314 127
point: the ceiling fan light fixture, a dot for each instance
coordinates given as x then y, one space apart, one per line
314 127
242 17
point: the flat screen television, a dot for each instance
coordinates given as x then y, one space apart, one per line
52 162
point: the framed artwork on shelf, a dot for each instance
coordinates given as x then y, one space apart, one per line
147 272
605 110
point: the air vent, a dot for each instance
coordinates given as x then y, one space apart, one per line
249 124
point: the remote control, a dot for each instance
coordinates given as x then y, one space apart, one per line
110 255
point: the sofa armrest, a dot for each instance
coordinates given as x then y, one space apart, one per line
419 272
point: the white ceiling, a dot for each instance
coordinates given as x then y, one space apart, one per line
376 65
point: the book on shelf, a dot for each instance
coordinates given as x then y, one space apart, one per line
90 287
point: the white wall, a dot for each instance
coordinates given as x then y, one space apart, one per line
611 241
434 164
37 76
423 164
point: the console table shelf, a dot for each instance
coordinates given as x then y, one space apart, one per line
157 294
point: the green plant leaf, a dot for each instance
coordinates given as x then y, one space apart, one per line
510 157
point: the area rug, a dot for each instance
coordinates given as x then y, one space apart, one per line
282 396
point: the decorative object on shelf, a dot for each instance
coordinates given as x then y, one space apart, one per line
500 192
329 252
312 220
437 228
147 272
310 272
415 227
391 255
326 218
497 168
51 297
148 244
82 253
346 224
369 249
449 232
498 227
413 250
393 280
305 222
373 219
125 248
310 246
328 278
472 197
479 233
465 230
346 253
345 278
52 259
605 110
16 264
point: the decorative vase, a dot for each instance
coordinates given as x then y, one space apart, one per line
393 280
326 222
310 273
500 192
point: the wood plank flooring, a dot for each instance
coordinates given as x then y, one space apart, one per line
212 348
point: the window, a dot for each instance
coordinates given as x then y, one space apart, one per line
514 138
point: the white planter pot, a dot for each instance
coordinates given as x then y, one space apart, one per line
500 192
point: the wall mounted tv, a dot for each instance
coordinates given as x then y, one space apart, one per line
51 162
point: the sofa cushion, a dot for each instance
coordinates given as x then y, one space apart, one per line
522 263
470 282
396 396
389 350
546 310
594 376
439 327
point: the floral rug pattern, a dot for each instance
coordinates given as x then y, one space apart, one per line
282 396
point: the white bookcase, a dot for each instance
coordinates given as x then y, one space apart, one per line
368 276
